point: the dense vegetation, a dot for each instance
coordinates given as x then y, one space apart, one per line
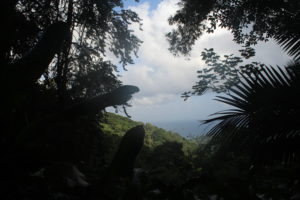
261 130
56 82
263 120
117 125
175 152
177 168
57 142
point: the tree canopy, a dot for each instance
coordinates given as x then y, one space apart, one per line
57 144
80 67
221 73
263 119
55 80
249 21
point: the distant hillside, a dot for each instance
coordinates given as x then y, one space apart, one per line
114 124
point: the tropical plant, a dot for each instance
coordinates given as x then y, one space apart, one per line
264 99
249 22
290 42
265 114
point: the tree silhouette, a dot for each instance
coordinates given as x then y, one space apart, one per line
264 99
220 74
249 21
265 114
92 28
55 82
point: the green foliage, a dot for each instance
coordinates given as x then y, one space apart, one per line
50 149
226 173
264 116
253 142
118 125
250 21
80 68
55 80
221 74
166 156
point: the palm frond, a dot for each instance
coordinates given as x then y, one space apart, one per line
290 43
265 105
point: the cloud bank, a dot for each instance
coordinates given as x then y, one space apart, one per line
162 78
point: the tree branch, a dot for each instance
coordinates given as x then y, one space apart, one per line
119 96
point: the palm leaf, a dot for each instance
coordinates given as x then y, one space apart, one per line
290 43
267 106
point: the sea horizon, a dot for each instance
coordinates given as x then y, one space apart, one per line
186 128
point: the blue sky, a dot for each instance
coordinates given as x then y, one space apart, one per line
153 3
162 78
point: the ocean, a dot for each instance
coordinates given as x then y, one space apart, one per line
186 128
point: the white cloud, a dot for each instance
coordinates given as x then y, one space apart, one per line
162 77
158 73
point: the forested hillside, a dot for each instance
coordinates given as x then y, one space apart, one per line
115 126
174 167
118 125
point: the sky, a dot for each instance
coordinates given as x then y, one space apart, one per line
162 78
